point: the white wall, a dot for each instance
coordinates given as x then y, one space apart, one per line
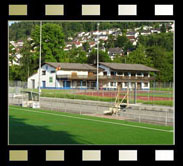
69 72
46 77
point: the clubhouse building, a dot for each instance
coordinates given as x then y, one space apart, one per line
84 76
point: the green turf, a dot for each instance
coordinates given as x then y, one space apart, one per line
50 127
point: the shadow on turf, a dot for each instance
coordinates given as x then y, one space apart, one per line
23 133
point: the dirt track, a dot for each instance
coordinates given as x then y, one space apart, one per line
113 94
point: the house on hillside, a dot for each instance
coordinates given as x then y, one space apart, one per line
133 40
145 32
132 34
83 76
112 52
155 30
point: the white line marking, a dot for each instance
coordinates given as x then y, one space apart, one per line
94 120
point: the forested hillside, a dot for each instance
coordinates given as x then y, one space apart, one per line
20 30
154 50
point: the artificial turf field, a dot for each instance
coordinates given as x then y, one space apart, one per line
36 126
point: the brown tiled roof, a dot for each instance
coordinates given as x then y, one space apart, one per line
128 67
72 66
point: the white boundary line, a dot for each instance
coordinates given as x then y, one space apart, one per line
94 120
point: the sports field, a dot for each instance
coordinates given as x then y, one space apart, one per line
36 126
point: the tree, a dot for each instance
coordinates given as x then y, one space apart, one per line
52 41
119 59
15 72
164 40
124 43
162 60
139 56
110 42
103 57
28 60
163 28
77 55
86 46
12 53
121 41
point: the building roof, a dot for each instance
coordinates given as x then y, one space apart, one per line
116 50
131 33
72 66
128 67
131 37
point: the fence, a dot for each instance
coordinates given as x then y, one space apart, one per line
94 103
140 113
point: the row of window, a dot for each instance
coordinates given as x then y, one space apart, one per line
112 84
105 73
44 72
126 84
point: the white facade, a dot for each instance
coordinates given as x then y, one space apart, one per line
52 79
66 79
47 78
125 84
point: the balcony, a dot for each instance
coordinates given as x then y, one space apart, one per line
114 78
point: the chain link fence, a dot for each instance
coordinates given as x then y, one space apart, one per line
148 106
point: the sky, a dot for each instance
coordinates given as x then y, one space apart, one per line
11 22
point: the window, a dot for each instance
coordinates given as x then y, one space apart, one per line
53 71
43 72
84 83
145 74
46 67
78 83
126 84
133 74
126 73
133 84
50 79
93 84
113 73
105 73
120 73
139 74
145 84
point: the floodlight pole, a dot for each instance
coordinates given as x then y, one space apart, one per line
98 56
40 59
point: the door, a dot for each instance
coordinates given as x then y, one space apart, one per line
33 84
44 84
67 84
138 85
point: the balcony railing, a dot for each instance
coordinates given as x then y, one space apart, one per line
94 77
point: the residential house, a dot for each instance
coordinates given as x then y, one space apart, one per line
133 40
92 44
77 44
145 32
132 34
115 51
103 37
155 31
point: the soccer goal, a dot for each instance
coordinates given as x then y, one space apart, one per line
30 99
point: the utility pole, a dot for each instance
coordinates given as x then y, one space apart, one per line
40 59
98 56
